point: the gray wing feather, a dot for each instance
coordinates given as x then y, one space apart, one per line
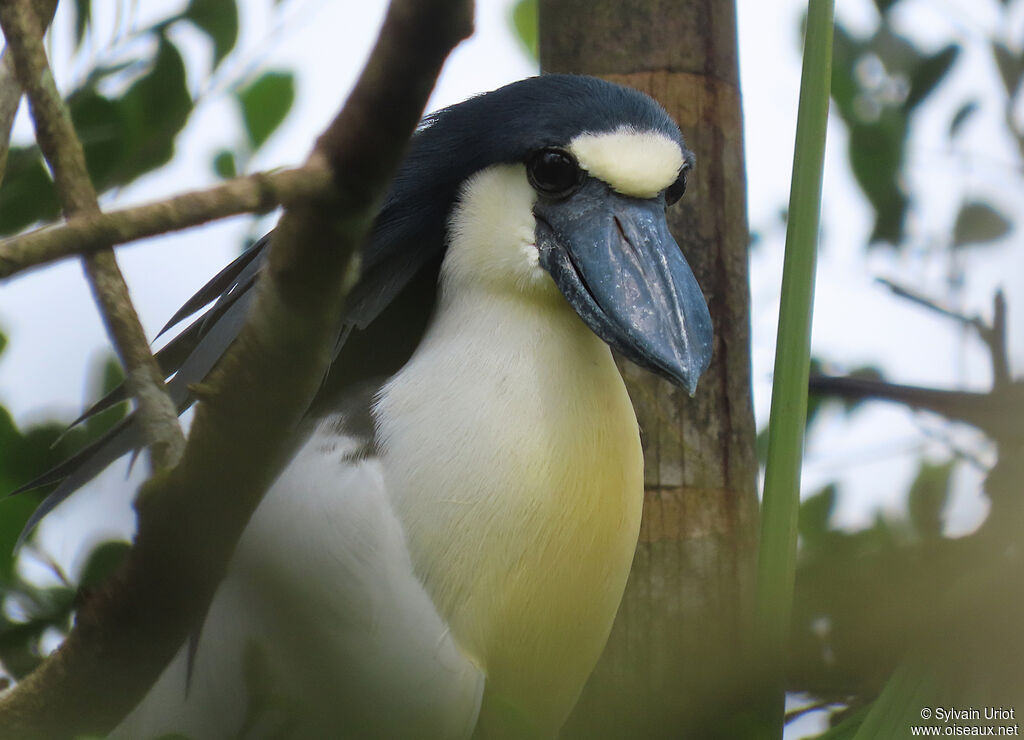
188 358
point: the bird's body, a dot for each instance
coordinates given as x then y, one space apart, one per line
445 552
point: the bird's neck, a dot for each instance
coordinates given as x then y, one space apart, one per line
515 466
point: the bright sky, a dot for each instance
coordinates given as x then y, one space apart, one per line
56 335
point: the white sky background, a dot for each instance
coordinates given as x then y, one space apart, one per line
55 334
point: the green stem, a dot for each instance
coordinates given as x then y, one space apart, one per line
777 549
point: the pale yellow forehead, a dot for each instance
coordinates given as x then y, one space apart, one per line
636 163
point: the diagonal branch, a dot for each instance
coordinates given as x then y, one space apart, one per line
256 193
10 88
993 335
10 97
253 401
63 151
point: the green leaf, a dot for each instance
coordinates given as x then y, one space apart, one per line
100 126
876 147
1010 65
28 195
929 73
218 19
224 164
979 223
103 561
3 342
14 512
524 23
927 498
899 707
265 104
83 19
876 157
815 513
154 110
960 117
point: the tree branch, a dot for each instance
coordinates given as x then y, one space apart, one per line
993 335
10 97
158 417
255 398
256 193
998 413
10 88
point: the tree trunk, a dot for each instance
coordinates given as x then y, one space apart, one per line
675 663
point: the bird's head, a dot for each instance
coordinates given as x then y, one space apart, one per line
554 185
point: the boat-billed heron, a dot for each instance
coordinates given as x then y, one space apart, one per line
445 552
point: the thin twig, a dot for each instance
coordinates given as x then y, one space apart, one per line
993 335
60 145
257 193
931 304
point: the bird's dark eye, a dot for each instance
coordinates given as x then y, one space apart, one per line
675 191
553 172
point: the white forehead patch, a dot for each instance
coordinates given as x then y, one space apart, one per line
636 163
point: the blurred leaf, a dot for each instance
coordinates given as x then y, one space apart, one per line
45 608
104 71
265 104
897 53
112 375
847 727
19 643
815 513
27 195
219 20
1010 65
927 498
3 342
884 5
103 561
123 138
83 18
524 23
960 117
929 73
876 147
979 223
14 512
224 164
154 110
100 128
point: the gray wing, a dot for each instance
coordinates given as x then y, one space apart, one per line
184 361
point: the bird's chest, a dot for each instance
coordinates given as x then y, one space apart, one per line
515 468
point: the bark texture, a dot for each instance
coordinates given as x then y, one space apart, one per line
675 663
